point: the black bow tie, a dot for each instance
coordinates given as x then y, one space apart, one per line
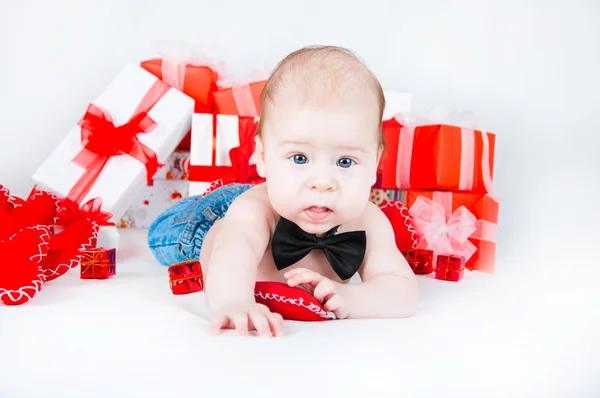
344 252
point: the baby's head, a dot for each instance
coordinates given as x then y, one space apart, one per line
319 139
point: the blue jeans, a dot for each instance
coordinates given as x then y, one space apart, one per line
177 234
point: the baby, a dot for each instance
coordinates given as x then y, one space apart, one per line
311 224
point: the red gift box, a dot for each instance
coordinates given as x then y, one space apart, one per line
98 263
186 277
450 268
439 156
241 100
420 260
462 224
196 81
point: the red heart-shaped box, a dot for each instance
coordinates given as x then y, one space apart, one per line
404 232
292 303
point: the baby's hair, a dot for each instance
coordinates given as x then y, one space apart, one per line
320 73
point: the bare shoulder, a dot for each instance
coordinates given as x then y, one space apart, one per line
377 227
382 255
252 207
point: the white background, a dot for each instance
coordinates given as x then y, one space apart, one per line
528 69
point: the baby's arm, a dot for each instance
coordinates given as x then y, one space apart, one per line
389 288
238 247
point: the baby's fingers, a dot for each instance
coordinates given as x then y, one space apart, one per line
324 290
333 303
260 323
276 323
295 271
309 277
218 324
240 320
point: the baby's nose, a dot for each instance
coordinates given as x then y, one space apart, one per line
322 182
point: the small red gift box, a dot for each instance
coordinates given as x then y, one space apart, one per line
420 260
242 100
450 268
437 156
98 263
186 277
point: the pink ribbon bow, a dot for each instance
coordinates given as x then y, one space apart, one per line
442 233
173 72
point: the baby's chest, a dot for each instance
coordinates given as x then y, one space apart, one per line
315 261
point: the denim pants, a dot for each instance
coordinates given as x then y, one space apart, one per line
177 234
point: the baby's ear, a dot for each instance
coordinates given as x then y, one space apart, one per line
379 154
260 156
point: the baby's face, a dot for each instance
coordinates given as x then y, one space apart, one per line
320 163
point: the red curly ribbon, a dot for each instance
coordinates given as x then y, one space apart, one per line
101 140
91 210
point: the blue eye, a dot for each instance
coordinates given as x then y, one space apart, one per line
345 163
299 159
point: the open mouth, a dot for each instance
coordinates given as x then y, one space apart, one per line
318 213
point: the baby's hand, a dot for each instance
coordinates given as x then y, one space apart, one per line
328 292
248 316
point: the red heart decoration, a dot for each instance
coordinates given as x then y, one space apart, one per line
66 247
21 275
291 303
40 208
404 231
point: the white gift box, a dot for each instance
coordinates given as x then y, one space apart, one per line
123 177
176 167
201 152
152 201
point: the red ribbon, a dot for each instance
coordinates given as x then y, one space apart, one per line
90 210
101 140
240 170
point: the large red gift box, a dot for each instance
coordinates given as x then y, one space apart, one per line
241 100
457 223
439 156
196 81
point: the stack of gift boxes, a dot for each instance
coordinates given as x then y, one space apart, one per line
163 130
436 188
220 144
131 155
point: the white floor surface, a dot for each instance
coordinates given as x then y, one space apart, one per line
129 336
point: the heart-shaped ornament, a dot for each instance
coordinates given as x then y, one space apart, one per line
40 208
292 303
21 274
66 246
404 232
